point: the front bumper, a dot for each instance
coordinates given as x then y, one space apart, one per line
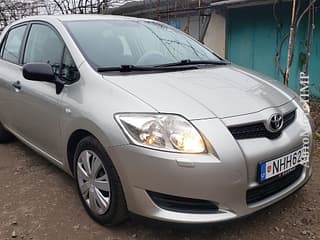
223 176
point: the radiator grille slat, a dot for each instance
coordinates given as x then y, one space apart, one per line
258 130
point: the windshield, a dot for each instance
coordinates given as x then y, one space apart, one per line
114 43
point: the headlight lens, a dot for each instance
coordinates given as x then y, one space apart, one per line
162 131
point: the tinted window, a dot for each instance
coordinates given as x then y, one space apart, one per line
111 43
44 46
12 46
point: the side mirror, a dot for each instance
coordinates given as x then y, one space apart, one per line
42 72
39 72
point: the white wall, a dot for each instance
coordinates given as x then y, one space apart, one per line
215 37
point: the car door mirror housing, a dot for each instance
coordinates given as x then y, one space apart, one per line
42 72
39 72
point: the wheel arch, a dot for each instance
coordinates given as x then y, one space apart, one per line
107 133
73 142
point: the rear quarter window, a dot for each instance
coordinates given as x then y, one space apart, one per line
11 45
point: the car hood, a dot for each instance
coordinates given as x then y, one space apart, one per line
222 91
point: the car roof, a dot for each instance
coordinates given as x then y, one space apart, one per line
72 17
81 17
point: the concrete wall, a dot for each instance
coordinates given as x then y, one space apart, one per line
215 37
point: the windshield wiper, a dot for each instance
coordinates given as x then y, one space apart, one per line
188 62
131 68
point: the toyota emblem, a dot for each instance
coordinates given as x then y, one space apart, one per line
275 122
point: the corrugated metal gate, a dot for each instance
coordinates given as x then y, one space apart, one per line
253 39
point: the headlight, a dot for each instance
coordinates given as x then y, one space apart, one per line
162 132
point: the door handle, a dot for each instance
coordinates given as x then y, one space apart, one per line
17 86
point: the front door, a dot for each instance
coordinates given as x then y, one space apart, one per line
37 110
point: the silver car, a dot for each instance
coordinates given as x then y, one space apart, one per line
148 120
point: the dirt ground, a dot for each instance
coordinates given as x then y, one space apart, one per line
39 201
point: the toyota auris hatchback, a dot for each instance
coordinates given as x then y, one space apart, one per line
148 120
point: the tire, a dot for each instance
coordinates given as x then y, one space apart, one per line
90 151
5 136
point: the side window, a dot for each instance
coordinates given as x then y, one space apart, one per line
44 46
69 71
12 45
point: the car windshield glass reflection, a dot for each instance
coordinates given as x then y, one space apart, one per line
116 43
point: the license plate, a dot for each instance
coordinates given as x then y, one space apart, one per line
280 165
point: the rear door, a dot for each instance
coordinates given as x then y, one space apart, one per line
10 71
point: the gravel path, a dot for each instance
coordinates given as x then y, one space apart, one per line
39 201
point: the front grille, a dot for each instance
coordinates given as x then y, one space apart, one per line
257 130
273 186
181 204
